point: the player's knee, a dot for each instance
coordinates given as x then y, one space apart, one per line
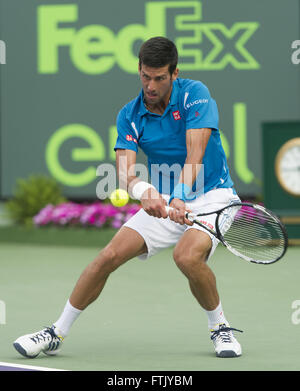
107 260
188 260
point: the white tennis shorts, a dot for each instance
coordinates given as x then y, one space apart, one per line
162 233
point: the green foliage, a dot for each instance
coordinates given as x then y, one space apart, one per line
31 195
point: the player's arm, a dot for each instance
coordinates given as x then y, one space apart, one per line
196 142
151 200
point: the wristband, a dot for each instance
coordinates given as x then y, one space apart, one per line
181 191
139 188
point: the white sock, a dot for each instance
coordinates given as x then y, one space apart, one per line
216 317
67 318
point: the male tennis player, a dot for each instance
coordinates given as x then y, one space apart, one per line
175 122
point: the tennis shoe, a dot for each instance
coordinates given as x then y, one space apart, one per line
47 341
224 341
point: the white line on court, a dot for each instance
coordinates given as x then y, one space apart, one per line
8 364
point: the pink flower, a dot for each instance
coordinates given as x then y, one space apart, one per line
44 216
116 224
97 214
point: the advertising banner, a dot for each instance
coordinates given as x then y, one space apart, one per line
68 67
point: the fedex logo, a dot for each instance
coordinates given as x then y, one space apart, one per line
95 48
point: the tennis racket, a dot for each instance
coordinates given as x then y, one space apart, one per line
249 231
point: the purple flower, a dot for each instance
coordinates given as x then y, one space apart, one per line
44 216
249 213
116 223
96 214
66 213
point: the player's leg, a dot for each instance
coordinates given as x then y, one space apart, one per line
191 254
126 244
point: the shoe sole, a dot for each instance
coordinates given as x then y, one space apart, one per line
49 353
228 354
22 351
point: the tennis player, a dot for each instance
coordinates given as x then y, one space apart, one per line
175 122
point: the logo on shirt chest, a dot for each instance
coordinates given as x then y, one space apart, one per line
176 115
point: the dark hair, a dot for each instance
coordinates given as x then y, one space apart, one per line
158 52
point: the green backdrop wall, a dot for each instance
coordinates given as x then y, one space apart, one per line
71 65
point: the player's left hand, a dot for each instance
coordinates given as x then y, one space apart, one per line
178 214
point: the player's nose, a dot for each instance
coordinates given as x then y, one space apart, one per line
151 86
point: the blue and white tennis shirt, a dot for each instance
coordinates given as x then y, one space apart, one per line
163 137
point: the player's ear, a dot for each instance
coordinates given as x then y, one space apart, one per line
139 67
175 74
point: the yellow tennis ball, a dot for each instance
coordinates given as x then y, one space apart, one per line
119 197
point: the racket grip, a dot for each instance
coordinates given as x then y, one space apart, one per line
168 208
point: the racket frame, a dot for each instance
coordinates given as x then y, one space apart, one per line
193 218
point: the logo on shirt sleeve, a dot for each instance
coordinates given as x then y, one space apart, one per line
130 138
195 102
176 115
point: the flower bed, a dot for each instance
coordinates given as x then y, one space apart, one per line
97 214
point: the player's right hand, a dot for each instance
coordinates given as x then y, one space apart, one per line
177 214
154 204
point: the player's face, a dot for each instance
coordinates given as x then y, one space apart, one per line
157 83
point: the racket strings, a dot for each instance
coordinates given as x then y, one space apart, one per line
252 232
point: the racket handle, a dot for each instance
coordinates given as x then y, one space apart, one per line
187 215
168 208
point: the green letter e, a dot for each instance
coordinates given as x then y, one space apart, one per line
95 151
